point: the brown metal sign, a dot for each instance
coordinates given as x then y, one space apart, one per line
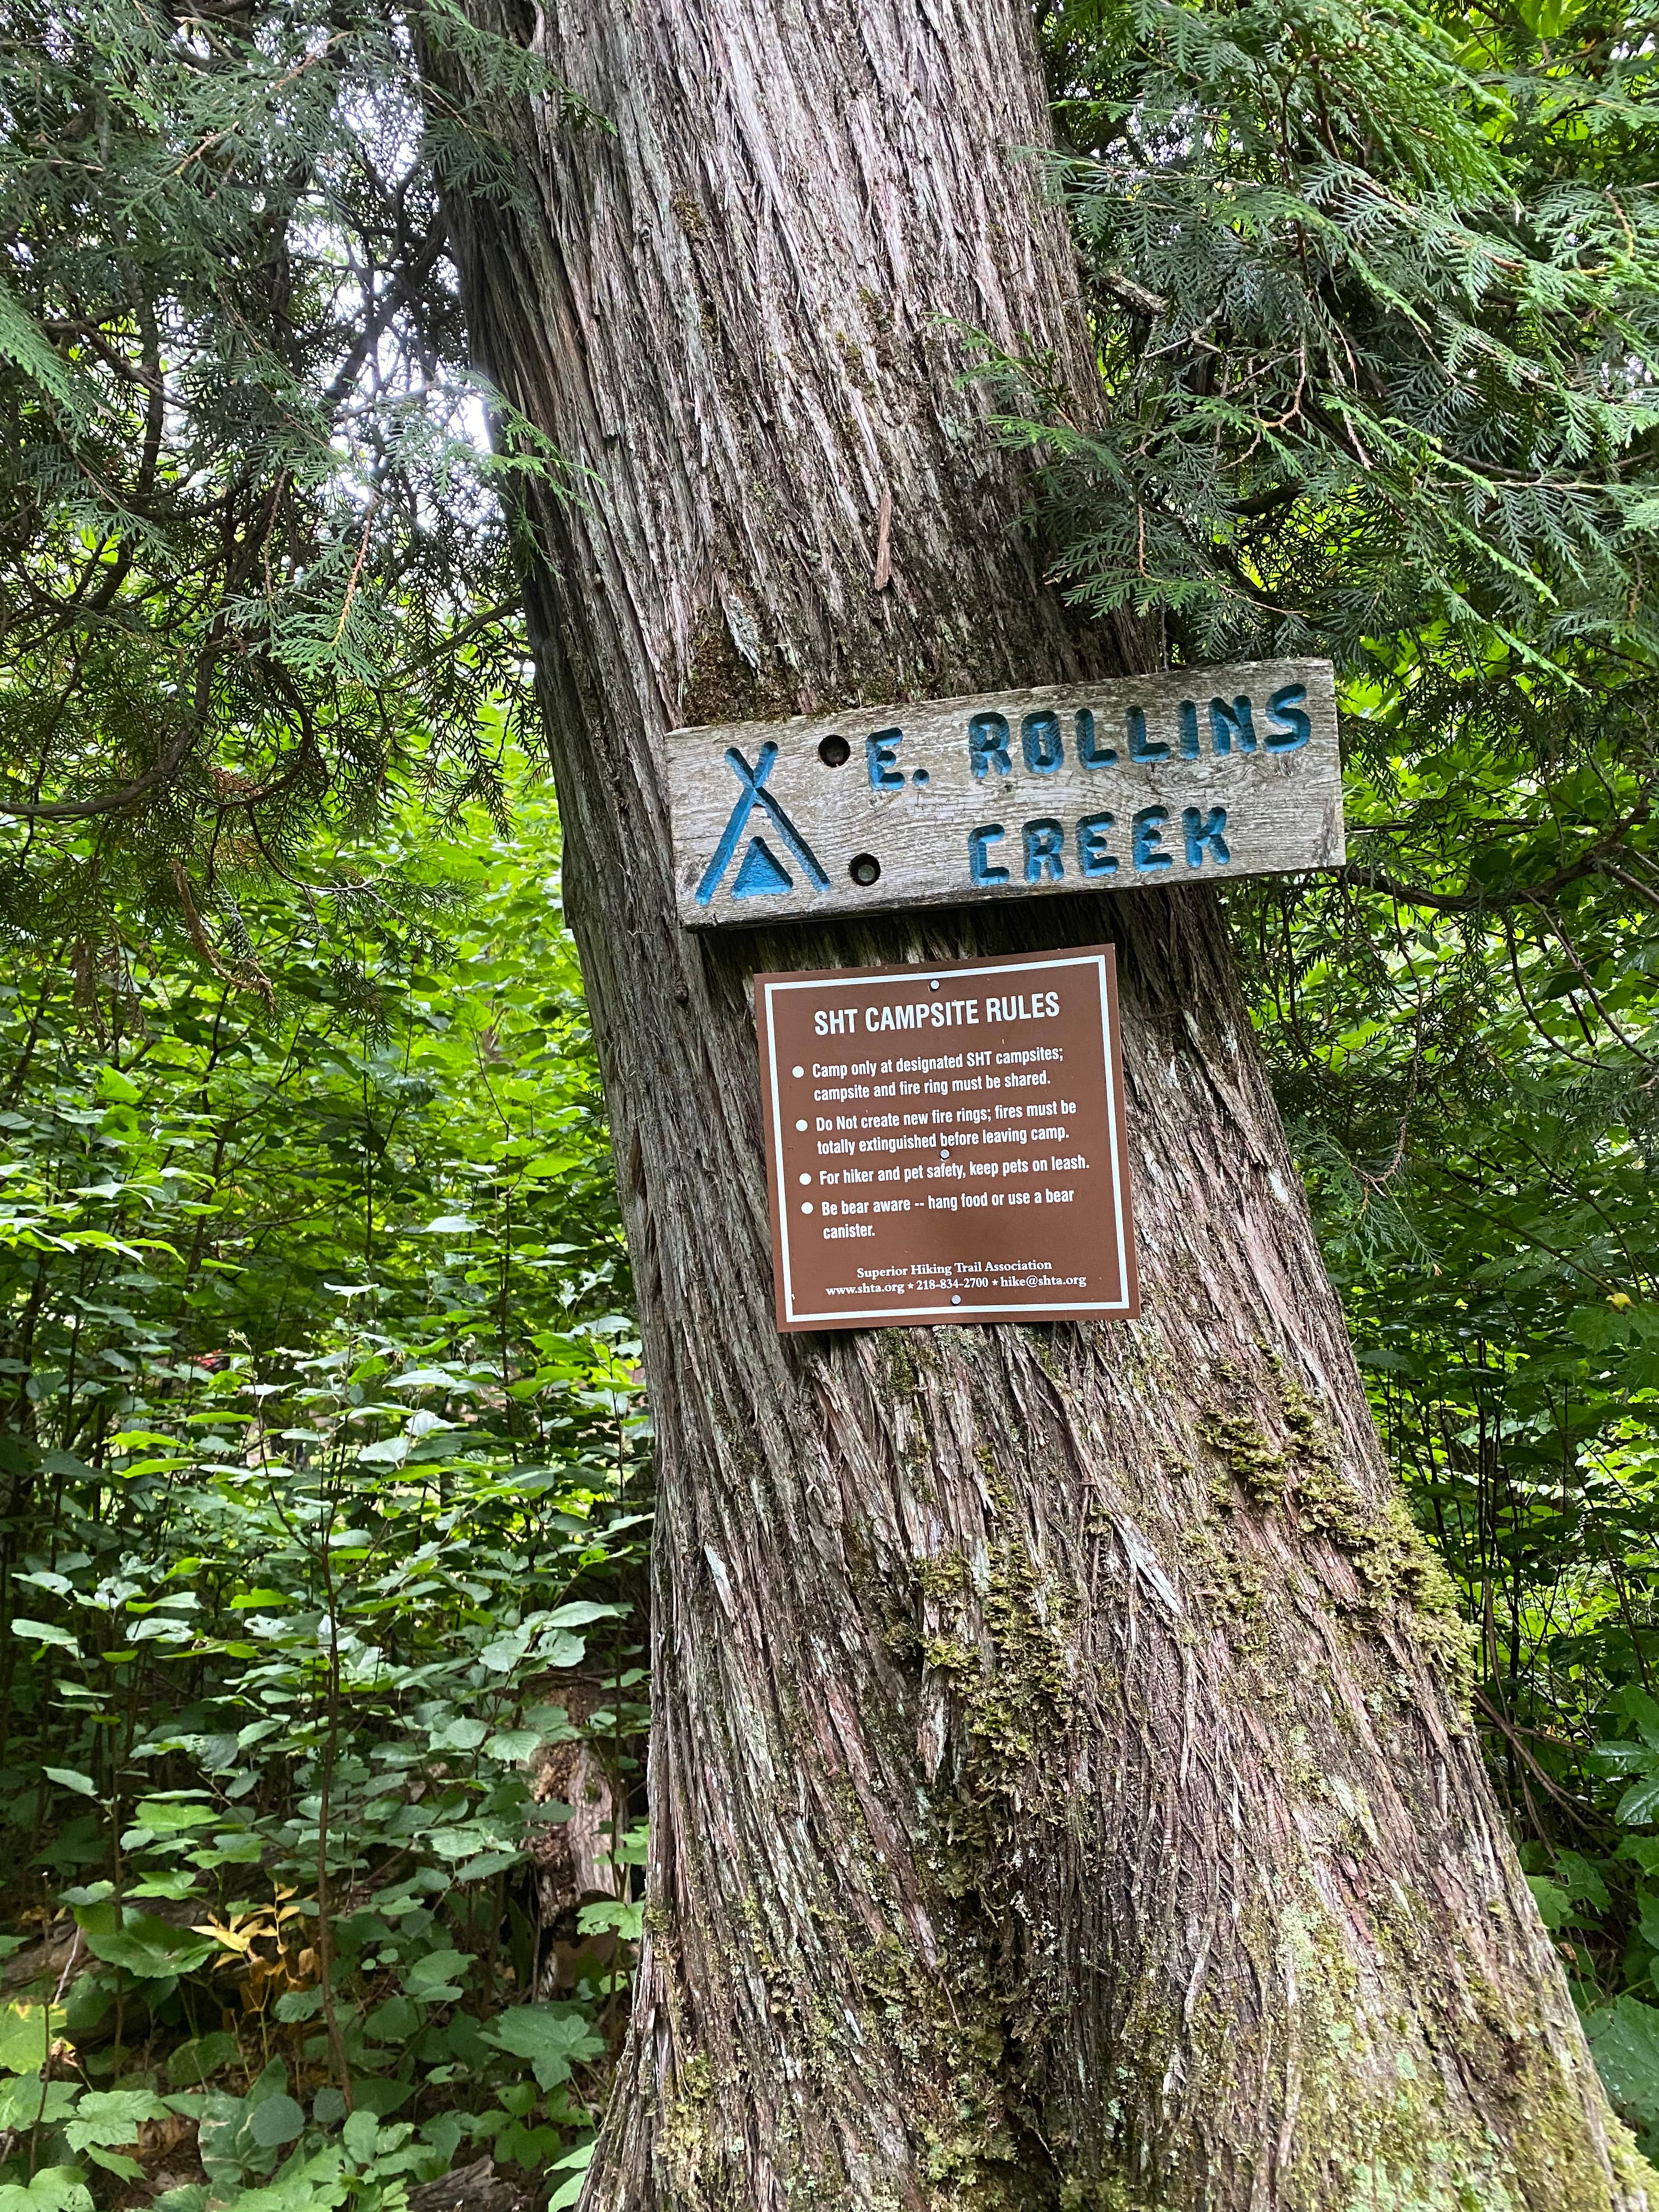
946 1143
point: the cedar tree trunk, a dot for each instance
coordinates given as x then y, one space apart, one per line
1062 1788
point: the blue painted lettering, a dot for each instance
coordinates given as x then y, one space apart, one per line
1287 726
1227 723
1041 742
1139 748
1092 858
1149 837
1091 754
988 745
1045 842
1188 730
761 873
1201 831
759 858
880 753
980 870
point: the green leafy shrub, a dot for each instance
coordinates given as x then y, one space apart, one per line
327 1497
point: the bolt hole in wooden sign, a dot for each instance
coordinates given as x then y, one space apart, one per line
947 1144
1192 775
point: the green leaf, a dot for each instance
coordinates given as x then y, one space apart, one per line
513 1746
231 1848
145 1946
174 1816
576 2162
1644 1712
26 346
374 2092
113 2161
27 2100
45 1631
1624 2036
1627 1759
1583 1880
396 2020
436 1976
1639 1803
276 2120
54 2189
459 1736
461 1839
91 1997
1554 1905
553 2037
611 1913
304 2185
487 1864
271 2081
193 2063
176 1886
390 1451
70 1778
361 2133
107 2118
25 2037
582 1612
219 2124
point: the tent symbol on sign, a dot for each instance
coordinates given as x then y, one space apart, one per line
761 873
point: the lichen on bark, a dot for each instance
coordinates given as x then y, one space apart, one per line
1398 1573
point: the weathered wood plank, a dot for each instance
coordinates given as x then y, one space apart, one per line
1193 773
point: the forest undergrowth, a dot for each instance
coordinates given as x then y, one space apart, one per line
326 1493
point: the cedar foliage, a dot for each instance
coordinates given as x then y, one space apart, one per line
251 570
322 1494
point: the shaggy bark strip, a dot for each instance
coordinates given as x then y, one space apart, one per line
1061 1790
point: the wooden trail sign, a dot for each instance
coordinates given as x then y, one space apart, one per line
946 1143
1190 775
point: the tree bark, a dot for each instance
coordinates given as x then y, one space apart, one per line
1061 1790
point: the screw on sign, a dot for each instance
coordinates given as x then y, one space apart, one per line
946 1143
